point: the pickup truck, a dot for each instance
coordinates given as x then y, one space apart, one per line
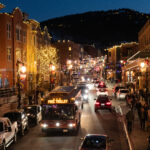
8 132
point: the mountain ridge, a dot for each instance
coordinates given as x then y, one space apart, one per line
101 28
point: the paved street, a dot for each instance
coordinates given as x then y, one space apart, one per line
103 122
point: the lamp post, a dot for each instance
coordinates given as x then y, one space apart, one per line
52 69
142 64
69 67
20 70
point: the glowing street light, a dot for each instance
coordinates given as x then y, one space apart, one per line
142 64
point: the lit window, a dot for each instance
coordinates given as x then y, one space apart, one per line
8 54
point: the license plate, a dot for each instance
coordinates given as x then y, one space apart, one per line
65 130
102 104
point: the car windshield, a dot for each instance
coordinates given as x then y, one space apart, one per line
13 116
1 126
58 112
30 110
124 91
102 99
96 142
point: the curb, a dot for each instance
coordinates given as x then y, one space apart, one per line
119 113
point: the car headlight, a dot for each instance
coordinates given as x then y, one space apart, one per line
57 124
71 125
76 102
85 96
44 125
86 91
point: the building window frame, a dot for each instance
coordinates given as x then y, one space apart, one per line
9 51
8 31
18 33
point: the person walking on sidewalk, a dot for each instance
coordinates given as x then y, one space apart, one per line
138 107
130 119
143 118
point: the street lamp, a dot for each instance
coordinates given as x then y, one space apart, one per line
69 67
21 70
52 69
142 65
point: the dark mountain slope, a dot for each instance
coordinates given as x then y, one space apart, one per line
104 28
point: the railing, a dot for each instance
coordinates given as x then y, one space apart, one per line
7 92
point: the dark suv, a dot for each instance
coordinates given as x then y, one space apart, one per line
20 116
34 113
102 102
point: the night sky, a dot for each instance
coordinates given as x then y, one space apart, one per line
41 10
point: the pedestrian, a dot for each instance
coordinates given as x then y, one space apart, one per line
138 107
148 118
129 118
143 118
30 99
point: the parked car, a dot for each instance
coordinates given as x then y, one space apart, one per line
20 117
103 102
116 88
34 113
8 132
94 142
122 93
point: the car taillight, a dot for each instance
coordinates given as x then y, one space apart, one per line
108 103
97 103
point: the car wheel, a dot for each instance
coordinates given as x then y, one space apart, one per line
22 132
3 147
27 127
37 122
95 110
15 138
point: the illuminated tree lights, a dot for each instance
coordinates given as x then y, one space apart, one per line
45 57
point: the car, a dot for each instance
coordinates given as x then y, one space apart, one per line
101 84
84 91
116 88
8 132
34 113
102 102
122 93
19 116
102 91
94 142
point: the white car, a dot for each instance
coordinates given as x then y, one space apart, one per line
122 93
102 91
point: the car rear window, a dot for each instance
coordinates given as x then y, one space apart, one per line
95 142
102 99
124 91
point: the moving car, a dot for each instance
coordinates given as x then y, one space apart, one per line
84 91
102 102
122 93
101 84
102 91
19 116
94 142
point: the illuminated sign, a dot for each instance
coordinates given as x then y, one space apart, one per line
57 101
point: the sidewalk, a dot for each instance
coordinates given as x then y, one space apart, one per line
138 137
